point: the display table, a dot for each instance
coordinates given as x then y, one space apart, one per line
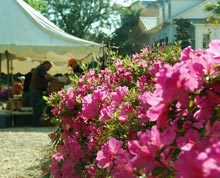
5 118
23 117
20 118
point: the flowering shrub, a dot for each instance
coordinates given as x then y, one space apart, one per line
155 115
5 93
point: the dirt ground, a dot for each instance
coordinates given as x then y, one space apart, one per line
23 151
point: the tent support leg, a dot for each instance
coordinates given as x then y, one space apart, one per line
11 79
8 77
0 66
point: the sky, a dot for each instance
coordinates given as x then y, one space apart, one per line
124 3
127 2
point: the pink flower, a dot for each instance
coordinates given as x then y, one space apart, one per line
142 63
72 148
141 114
143 157
206 105
90 107
143 79
157 138
55 111
147 99
118 64
214 130
202 161
92 171
187 53
123 166
141 84
214 47
55 169
159 107
188 161
189 139
159 113
106 113
135 56
69 99
125 110
105 157
119 94
155 68
167 136
58 156
145 51
68 170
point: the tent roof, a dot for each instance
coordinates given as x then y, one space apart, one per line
24 67
26 33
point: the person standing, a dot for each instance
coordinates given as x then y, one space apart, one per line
75 67
26 89
39 81
17 87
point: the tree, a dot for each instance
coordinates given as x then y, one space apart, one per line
82 18
120 37
39 5
214 8
183 32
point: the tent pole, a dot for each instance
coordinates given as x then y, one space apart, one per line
11 79
8 77
0 66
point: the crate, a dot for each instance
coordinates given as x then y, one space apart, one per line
5 119
22 118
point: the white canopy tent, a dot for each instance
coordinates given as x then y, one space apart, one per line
24 67
25 33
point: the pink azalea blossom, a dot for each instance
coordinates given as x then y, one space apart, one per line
214 47
58 156
187 53
90 107
55 169
70 99
202 161
67 169
105 157
123 166
143 157
155 68
214 130
188 140
92 171
119 94
106 113
73 150
125 110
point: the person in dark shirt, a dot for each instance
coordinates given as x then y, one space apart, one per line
39 81
75 67
26 89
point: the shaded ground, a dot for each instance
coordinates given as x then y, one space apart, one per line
23 150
